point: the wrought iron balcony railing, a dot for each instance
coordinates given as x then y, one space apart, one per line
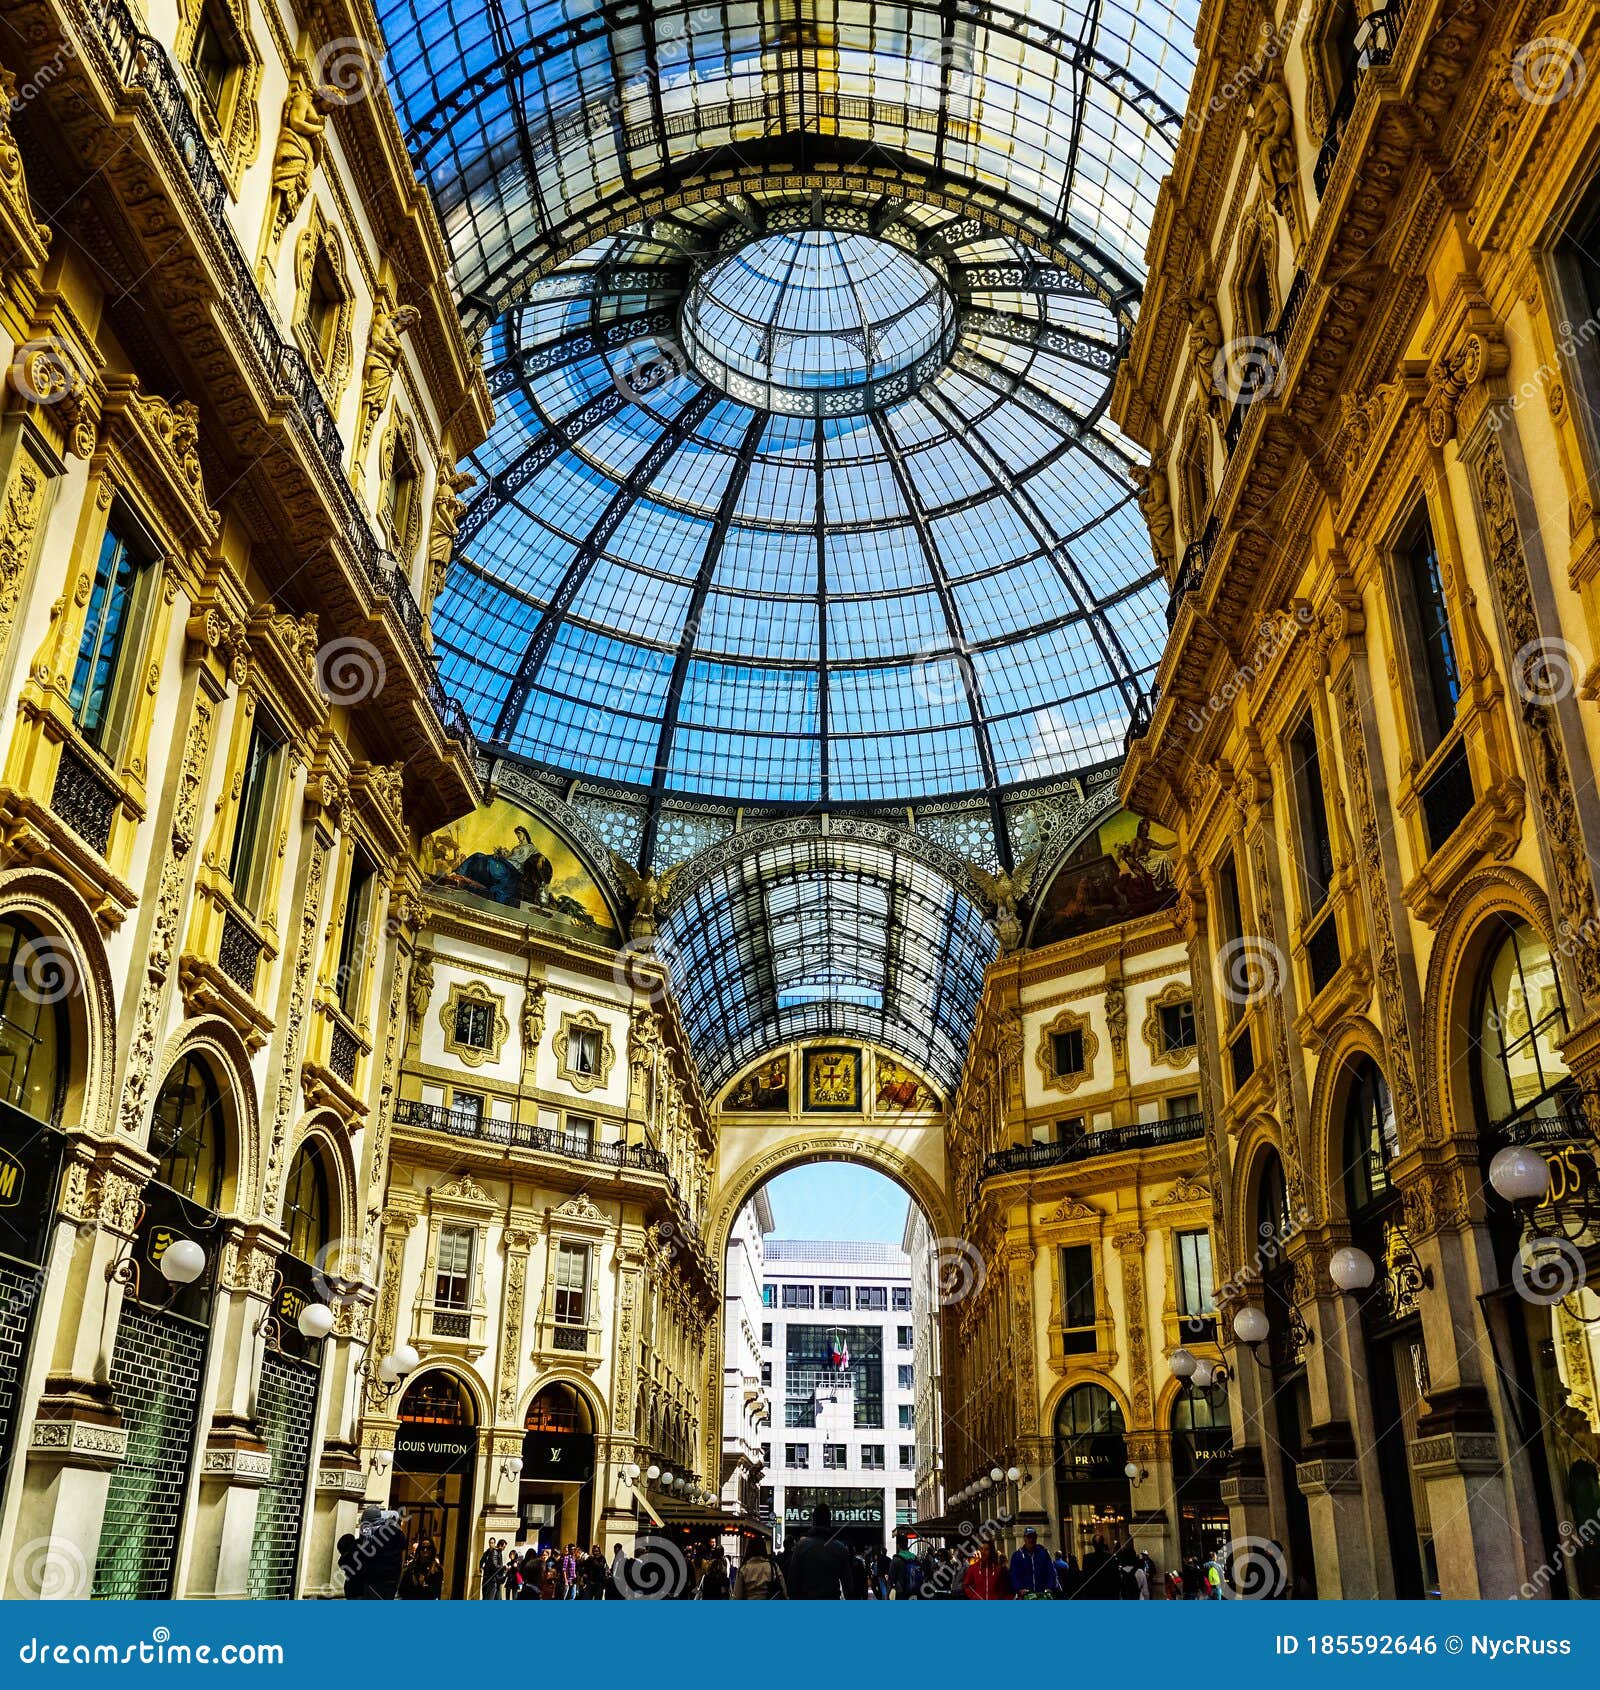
1143 1135
523 1135
1558 1117
142 62
1377 39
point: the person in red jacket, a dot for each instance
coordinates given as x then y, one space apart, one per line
987 1579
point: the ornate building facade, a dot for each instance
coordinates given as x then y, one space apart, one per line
1079 1157
235 392
1365 373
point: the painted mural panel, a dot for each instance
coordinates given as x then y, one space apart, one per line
1120 871
504 856
765 1089
896 1090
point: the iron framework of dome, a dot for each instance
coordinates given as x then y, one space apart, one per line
801 325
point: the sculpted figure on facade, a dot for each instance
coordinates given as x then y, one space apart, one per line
299 153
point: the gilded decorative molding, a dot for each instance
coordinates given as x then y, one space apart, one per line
1170 997
584 1021
1067 1021
463 993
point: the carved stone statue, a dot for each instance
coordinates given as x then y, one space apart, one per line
1205 339
448 509
1155 500
532 1018
1271 125
1005 891
300 143
646 891
420 990
377 373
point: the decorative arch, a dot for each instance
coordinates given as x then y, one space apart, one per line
223 1049
849 1145
325 1128
50 904
1074 1381
1457 954
477 1391
1260 1137
1350 1039
583 1386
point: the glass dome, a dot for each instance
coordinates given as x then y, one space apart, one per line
801 488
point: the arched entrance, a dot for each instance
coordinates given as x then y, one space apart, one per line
1093 1496
435 1459
1202 1445
555 1501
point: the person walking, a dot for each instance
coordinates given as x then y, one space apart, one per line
759 1578
381 1550
1033 1573
1067 1575
714 1584
906 1571
423 1579
987 1579
569 1572
821 1568
491 1571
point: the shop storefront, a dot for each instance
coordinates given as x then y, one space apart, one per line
435 1460
1202 1446
1092 1491
30 1166
858 1516
555 1501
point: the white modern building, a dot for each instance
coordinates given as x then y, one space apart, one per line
838 1356
746 1397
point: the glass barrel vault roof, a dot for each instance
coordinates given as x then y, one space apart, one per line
801 487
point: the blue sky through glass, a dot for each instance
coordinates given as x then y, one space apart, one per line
837 1200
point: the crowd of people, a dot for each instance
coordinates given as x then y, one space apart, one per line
378 1563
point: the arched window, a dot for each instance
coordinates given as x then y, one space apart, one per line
1196 477
1371 1139
307 1211
436 1399
34 1040
187 1133
1520 1020
1089 1411
1272 1200
559 1408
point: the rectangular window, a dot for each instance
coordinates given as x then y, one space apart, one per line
766 1373
1316 842
1427 624
474 1024
766 1325
452 1280
1230 924
467 1108
835 1455
572 1285
908 1455
105 676
769 1300
1181 1107
1070 1130
213 61
902 1336
905 1507
577 1135
797 1455
833 1296
872 1456
254 828
902 1297
1195 1293
583 1050
906 1423
905 1377
1077 1298
355 938
1177 1026
872 1296
1066 1051
798 1297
